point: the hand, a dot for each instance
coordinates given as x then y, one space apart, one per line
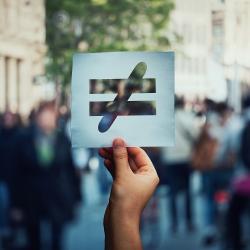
134 175
135 180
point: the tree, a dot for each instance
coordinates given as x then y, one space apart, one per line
102 25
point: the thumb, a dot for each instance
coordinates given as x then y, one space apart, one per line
120 156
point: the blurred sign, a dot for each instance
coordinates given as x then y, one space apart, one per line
123 94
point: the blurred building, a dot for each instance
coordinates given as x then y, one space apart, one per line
231 35
213 56
191 19
22 49
231 44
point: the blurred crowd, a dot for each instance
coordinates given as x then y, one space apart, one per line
38 180
40 175
213 141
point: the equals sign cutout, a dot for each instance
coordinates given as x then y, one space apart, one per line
124 88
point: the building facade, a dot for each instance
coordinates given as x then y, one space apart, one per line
22 50
231 44
212 58
191 20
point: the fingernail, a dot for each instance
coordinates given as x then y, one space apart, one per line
118 143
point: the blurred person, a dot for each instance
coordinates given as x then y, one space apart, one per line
240 201
8 141
80 156
32 119
216 165
134 182
177 163
48 185
154 154
1 119
104 181
209 107
63 117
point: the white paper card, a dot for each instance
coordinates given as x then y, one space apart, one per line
123 94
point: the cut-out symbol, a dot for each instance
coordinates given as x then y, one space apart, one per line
121 105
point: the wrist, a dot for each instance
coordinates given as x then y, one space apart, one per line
120 215
121 229
126 211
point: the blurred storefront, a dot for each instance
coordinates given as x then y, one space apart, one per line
22 50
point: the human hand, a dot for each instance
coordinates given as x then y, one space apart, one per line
134 181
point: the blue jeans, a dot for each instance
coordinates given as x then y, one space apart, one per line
213 181
4 206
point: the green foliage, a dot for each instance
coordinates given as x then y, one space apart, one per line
102 25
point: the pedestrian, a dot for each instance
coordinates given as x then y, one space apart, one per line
8 141
177 162
48 184
240 201
216 165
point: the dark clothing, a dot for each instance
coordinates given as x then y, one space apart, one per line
8 163
53 190
178 175
48 185
33 232
4 207
8 151
237 206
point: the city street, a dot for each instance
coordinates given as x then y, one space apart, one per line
88 83
87 232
